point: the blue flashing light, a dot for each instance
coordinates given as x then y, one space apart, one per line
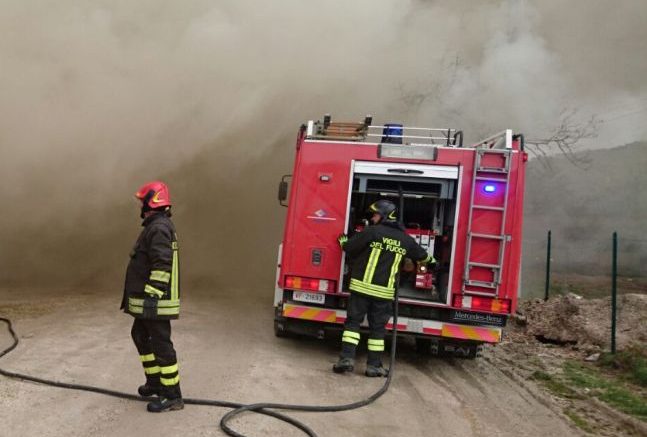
392 133
489 188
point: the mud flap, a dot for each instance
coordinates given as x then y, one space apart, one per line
429 346
280 328
467 350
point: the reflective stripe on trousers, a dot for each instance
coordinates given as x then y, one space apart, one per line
151 369
169 375
350 337
376 345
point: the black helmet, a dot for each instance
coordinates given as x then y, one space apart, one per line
385 208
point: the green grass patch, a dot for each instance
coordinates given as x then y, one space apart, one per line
554 385
631 363
625 401
608 389
578 420
538 375
583 377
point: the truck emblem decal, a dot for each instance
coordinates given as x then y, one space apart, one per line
321 215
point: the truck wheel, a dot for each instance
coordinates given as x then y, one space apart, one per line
468 352
280 329
462 350
423 346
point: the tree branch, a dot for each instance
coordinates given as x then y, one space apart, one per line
565 138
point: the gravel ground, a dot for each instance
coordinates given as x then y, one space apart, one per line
227 350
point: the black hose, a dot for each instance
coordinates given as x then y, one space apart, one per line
237 408
312 408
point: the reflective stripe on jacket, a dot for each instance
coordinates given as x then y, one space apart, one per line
376 255
152 287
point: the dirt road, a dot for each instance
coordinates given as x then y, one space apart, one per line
227 350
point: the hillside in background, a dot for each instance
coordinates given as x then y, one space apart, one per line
582 208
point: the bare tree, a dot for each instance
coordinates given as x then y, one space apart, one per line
565 137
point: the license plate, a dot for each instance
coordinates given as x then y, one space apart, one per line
301 296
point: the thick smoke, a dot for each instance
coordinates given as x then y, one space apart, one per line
101 96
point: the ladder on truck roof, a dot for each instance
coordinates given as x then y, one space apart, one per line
486 238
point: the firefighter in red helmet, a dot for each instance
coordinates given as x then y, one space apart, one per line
376 255
152 297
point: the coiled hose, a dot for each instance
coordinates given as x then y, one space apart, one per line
266 408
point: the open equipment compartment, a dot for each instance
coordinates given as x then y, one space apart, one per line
426 200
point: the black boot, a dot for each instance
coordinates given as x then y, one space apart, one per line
344 365
148 390
165 404
376 371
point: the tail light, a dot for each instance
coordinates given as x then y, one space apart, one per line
479 303
311 284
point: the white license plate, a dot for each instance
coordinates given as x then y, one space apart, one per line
301 296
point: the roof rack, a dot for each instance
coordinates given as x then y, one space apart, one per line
419 136
388 133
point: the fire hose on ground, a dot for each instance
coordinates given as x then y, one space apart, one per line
266 408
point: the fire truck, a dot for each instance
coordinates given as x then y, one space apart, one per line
463 204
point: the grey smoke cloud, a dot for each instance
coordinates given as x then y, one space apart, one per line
99 96
94 89
521 64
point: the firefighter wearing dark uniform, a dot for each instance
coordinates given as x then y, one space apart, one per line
376 255
152 297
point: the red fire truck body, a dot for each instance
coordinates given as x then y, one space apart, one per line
462 204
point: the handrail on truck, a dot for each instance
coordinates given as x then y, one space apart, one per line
343 131
501 140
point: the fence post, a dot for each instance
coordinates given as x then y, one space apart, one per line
614 274
547 267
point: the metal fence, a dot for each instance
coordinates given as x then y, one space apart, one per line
598 267
582 266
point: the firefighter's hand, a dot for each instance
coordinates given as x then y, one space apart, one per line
343 238
430 260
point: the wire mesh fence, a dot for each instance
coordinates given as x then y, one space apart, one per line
583 266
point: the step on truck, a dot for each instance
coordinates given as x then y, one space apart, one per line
463 204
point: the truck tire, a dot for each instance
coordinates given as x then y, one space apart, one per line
468 351
280 329
460 350
423 346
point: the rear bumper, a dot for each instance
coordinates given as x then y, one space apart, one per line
406 325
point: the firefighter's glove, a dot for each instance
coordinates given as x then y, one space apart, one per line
343 238
430 260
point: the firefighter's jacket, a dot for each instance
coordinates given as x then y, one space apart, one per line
152 289
376 255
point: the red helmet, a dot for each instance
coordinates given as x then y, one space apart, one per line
154 195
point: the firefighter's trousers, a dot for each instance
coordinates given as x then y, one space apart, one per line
377 311
153 341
